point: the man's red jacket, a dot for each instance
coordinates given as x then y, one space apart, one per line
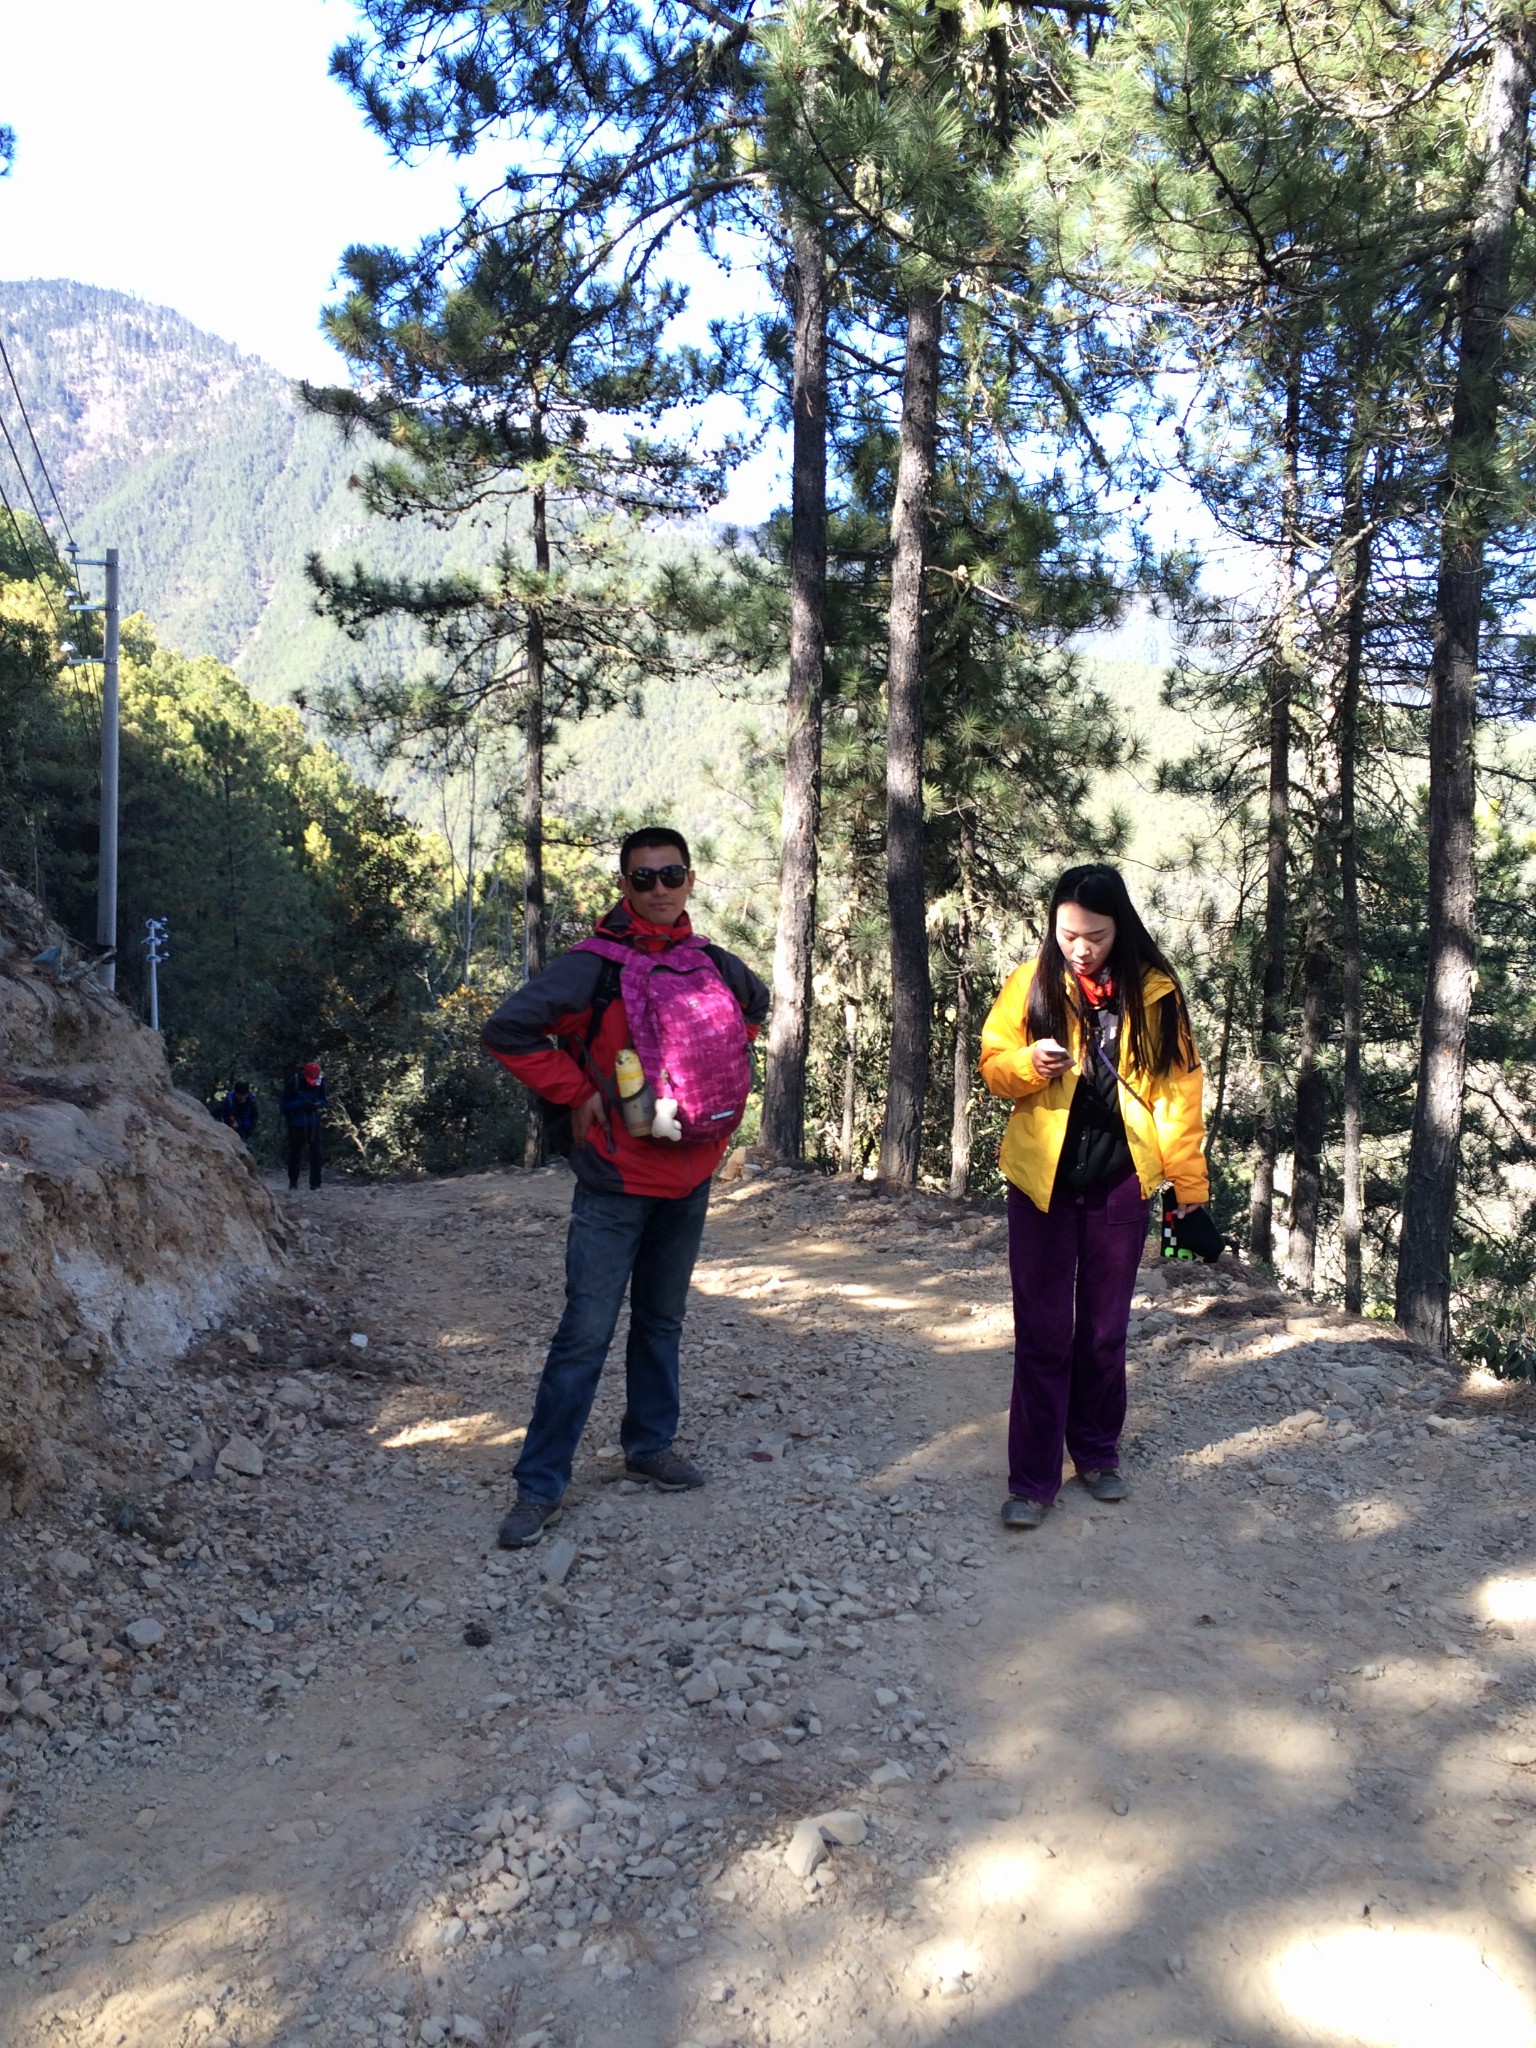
539 1034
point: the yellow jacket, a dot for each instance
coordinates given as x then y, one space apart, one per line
1164 1123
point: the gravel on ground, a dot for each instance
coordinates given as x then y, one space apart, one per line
291 1753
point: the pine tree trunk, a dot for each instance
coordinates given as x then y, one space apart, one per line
471 858
535 935
1214 1129
1471 500
911 988
1352 1220
1311 1107
789 1030
964 1072
1261 1239
850 1085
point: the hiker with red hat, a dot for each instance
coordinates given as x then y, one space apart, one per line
303 1110
639 1036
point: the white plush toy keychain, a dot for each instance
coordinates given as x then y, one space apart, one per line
664 1124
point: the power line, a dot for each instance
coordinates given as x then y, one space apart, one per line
69 570
109 722
70 573
26 552
32 437
66 568
37 512
80 700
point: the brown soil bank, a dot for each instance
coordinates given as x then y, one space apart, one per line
128 1218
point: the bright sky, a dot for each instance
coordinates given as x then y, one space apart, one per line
198 155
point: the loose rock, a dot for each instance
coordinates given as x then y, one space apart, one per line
241 1455
566 1810
846 1827
807 1850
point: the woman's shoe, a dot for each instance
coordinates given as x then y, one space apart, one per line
1024 1514
1107 1486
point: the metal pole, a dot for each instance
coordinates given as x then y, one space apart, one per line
106 873
154 944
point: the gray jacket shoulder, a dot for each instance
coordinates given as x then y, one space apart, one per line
743 984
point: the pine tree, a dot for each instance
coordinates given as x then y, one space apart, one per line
514 380
1471 507
708 116
1298 191
791 82
919 127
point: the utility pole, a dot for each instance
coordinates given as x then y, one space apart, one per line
106 861
154 940
106 877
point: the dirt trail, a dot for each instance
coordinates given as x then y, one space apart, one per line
1249 1760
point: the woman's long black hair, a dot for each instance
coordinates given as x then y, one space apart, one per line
1154 1047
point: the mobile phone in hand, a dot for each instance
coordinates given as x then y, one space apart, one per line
1058 1057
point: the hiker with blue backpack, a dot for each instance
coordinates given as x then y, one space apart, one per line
640 1035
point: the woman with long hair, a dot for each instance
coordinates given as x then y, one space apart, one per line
1091 1043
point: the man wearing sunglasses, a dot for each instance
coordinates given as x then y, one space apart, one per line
637 1214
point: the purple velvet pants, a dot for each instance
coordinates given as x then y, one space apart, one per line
1073 1269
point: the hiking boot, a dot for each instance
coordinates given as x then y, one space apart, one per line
669 1471
525 1522
1024 1514
1106 1486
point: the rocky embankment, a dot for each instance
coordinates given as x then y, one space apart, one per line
129 1220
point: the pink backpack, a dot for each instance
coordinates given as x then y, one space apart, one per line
688 1029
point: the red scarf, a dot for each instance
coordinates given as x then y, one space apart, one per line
628 924
1099 993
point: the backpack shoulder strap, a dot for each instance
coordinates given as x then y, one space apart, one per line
557 1118
609 984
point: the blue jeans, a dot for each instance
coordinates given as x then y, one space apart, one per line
647 1243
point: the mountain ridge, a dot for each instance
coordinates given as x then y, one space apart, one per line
197 461
200 464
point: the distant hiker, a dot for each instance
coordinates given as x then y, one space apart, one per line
238 1109
1091 1042
674 1016
303 1110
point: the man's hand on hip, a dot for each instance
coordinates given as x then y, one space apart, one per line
583 1116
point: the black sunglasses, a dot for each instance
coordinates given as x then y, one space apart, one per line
644 879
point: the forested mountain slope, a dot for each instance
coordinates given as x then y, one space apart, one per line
198 463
